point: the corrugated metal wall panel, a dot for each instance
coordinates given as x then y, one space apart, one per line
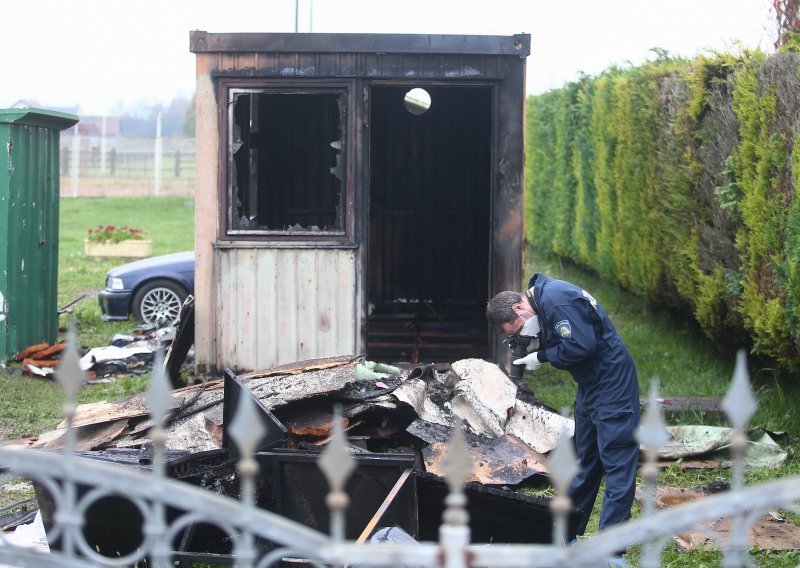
277 306
287 314
245 292
267 301
308 315
30 200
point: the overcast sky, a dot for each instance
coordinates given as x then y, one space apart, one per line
107 55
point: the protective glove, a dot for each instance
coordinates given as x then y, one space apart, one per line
531 361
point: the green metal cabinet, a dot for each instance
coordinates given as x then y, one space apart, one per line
29 194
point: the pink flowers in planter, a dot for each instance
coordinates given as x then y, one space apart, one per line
112 234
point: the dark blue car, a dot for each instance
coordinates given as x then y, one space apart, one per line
152 289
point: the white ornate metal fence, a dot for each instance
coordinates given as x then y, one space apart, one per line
66 477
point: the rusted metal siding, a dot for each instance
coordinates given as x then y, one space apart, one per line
278 305
349 65
408 57
425 44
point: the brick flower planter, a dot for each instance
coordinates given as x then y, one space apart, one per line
122 249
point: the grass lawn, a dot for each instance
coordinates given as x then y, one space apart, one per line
666 347
671 349
30 406
167 221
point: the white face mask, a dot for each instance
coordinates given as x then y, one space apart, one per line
531 327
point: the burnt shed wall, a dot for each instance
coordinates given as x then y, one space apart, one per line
357 62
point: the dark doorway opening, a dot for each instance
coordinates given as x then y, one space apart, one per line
429 224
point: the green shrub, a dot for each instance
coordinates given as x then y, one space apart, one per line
676 180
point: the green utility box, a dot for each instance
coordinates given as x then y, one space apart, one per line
29 194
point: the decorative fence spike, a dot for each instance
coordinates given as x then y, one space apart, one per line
159 394
159 401
457 465
246 430
454 531
71 378
337 464
652 435
563 467
739 403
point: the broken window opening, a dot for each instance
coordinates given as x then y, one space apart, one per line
287 162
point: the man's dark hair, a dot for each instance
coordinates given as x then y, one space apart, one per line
499 310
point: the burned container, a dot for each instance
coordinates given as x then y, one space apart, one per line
356 193
29 194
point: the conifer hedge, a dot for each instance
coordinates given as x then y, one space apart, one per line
677 180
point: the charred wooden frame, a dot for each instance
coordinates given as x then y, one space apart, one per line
287 175
415 246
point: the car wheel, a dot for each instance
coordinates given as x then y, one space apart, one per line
159 302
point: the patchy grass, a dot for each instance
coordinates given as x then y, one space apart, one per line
167 221
29 405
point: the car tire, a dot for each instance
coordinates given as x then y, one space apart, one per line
158 302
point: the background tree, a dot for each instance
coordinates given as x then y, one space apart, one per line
787 18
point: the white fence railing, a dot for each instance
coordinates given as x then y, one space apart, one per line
75 484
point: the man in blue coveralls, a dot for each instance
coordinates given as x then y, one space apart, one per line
575 334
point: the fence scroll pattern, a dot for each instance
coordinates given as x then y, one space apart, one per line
152 493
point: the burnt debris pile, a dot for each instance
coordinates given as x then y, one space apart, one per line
398 423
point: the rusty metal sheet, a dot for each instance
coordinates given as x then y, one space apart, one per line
51 351
314 422
517 46
769 532
506 460
690 464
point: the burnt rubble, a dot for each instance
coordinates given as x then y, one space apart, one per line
398 425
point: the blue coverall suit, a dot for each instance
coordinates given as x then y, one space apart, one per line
577 336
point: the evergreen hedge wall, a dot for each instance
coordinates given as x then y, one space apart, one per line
677 180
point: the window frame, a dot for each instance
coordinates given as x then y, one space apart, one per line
341 238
